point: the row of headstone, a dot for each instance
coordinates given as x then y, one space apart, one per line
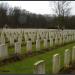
44 35
39 66
56 40
55 37
56 58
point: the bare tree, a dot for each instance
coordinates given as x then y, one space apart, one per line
61 9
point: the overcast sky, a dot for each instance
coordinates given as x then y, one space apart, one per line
38 7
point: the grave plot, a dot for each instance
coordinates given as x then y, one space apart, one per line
26 66
23 41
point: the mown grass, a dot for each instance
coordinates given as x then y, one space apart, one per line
26 66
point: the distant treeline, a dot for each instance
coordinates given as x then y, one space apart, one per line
20 18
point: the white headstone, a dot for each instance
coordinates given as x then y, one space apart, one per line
38 36
67 58
2 39
3 51
29 45
17 47
73 54
45 43
26 37
11 40
37 44
56 40
39 67
51 42
56 63
20 39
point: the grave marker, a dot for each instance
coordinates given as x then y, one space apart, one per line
56 63
39 67
67 58
18 47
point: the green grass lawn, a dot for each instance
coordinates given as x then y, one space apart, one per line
26 65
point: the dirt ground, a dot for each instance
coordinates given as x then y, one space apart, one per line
70 70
